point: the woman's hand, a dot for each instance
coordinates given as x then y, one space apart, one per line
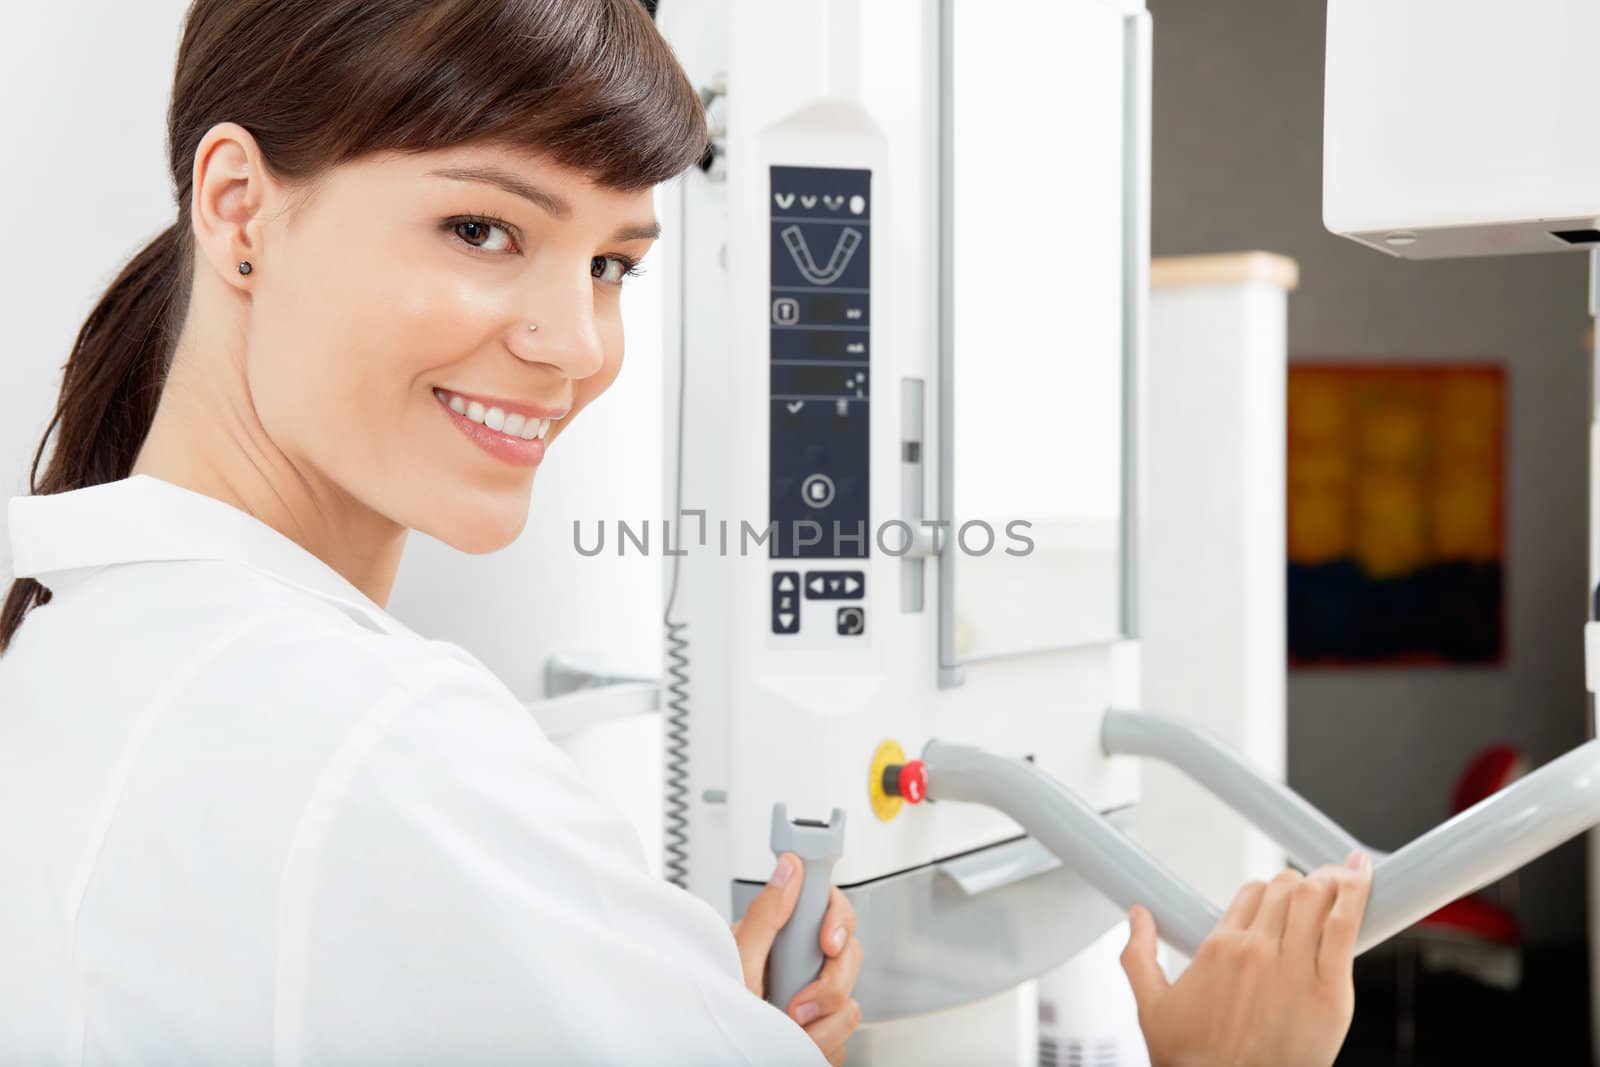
1271 985
824 1008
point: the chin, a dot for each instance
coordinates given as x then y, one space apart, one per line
478 524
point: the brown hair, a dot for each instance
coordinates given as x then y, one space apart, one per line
590 83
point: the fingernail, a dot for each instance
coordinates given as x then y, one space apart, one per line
837 940
781 873
1357 860
806 1012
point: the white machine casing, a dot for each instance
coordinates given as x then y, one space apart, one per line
1462 127
796 718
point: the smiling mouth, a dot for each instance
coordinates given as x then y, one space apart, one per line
512 425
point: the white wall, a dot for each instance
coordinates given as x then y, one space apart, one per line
84 87
1212 563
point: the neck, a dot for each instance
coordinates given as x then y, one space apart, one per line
206 437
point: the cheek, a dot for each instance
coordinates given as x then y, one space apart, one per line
343 345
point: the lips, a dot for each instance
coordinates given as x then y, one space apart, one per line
525 448
514 420
525 408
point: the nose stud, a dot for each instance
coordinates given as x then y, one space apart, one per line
531 326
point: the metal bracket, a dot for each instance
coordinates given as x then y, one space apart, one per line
563 676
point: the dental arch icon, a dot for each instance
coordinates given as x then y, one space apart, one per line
843 250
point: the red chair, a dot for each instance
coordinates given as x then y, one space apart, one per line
1477 935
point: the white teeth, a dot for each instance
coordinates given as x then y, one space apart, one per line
512 425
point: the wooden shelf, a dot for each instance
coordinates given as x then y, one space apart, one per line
1228 268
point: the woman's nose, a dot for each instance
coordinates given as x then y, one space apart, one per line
560 330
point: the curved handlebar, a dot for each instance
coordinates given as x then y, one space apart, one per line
1488 840
1309 837
1081 837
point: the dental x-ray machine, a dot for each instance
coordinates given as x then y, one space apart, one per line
903 473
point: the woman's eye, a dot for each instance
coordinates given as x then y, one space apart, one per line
479 233
612 269
491 235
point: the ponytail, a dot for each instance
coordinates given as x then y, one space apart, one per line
110 387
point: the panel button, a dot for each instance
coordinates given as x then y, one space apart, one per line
786 602
836 585
852 620
785 311
817 490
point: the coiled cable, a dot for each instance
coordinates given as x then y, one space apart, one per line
675 836
676 735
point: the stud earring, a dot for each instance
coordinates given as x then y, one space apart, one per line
244 267
531 326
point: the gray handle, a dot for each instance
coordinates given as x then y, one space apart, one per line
1084 840
796 957
1309 837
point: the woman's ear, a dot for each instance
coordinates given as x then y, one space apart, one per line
230 186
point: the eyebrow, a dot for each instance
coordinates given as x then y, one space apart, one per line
550 202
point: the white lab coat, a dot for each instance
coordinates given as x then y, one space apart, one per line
248 816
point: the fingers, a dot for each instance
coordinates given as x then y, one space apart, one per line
1344 918
1310 901
1246 902
831 991
831 1031
1269 920
839 924
759 926
1145 976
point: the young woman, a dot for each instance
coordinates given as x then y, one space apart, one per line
252 817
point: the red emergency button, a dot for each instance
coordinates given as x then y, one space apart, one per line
914 781
906 780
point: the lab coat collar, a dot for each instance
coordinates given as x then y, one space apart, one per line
58 538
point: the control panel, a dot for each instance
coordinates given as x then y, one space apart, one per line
820 395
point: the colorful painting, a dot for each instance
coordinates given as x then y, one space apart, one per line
1396 519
